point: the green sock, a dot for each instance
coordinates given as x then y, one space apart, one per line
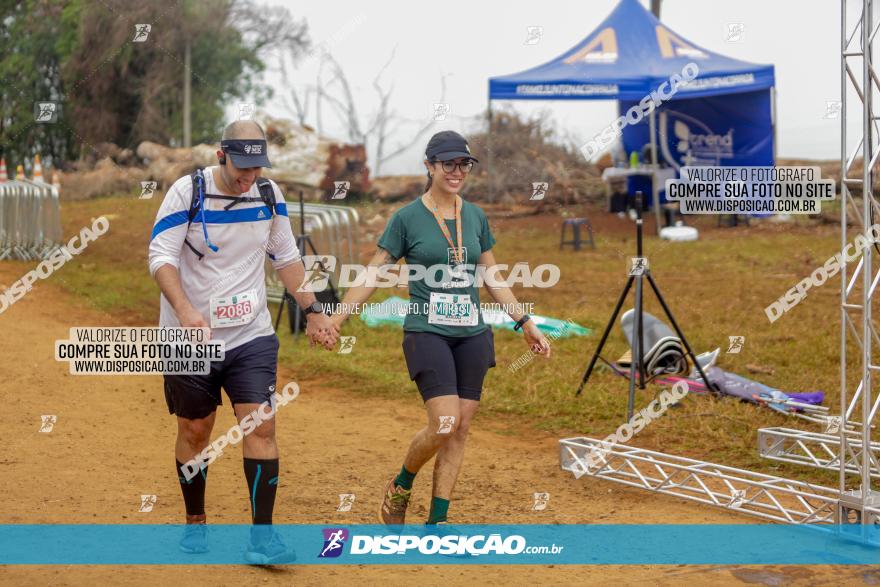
404 478
439 508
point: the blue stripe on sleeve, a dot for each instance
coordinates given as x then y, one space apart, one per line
254 214
170 221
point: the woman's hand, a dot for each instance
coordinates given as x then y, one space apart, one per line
338 320
536 340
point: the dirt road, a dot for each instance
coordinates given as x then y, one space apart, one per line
113 440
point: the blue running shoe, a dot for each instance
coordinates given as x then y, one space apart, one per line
267 548
195 539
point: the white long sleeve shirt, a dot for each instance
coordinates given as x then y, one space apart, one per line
245 234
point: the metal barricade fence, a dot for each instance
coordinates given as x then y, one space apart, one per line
333 230
30 220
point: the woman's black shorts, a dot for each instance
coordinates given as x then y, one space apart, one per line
449 365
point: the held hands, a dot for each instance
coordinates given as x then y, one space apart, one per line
321 330
335 322
536 340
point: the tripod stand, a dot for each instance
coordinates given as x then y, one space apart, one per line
304 243
638 273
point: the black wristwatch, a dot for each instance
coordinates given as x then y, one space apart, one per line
313 308
521 321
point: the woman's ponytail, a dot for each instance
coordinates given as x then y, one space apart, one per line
430 177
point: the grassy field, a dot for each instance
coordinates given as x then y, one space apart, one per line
716 287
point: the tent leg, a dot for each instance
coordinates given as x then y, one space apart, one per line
773 120
655 193
489 155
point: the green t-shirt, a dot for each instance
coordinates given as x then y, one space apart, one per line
413 234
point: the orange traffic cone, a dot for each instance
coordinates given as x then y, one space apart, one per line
19 172
56 183
3 176
38 168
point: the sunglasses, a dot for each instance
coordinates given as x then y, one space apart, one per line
449 166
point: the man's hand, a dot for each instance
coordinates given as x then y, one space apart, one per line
536 340
320 329
169 282
192 318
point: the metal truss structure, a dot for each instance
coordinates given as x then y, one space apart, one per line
765 496
850 450
859 83
815 449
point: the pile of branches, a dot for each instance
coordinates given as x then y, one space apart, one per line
525 151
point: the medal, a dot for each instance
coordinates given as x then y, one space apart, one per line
458 253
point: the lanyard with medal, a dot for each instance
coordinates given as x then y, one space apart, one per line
447 308
457 252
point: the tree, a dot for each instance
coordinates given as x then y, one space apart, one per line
114 89
34 35
332 87
145 79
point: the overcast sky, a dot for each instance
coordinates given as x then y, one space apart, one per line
472 41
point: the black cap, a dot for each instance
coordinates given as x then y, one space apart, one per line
446 145
247 152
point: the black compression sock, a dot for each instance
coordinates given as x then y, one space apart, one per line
262 480
193 490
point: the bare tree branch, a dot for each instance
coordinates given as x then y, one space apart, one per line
421 132
319 89
350 115
384 95
300 108
266 28
333 88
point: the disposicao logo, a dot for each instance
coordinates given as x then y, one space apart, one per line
334 541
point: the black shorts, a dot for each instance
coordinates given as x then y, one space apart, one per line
247 373
449 365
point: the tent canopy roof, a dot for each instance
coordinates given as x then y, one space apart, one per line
629 55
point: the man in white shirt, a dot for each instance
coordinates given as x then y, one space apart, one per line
210 269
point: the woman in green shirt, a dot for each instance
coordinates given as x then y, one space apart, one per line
448 347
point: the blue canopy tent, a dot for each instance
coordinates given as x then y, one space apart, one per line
724 116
